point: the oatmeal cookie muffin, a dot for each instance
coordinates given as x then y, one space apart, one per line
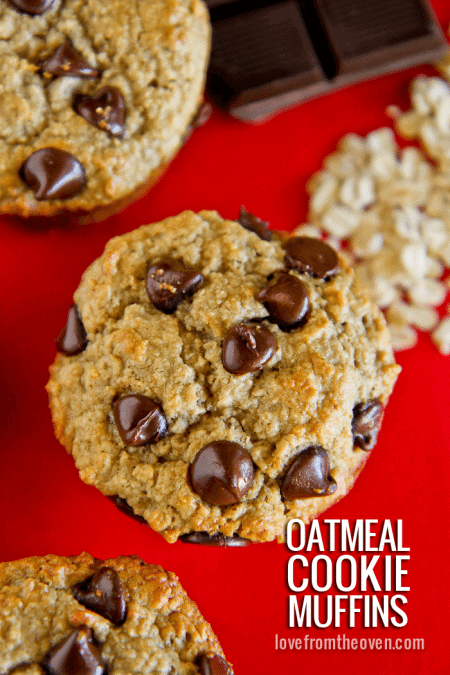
217 382
80 614
95 99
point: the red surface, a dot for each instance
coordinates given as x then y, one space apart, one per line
46 508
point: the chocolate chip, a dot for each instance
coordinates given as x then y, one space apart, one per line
53 174
286 300
139 419
308 476
32 6
124 506
366 423
72 338
202 116
169 282
222 473
75 655
66 61
254 224
216 539
247 347
105 110
313 256
214 665
103 594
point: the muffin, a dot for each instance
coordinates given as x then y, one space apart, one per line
216 382
96 99
79 614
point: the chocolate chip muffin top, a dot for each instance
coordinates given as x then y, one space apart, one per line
113 86
113 616
215 382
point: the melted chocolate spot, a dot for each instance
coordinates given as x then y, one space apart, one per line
203 114
313 256
169 282
104 110
308 475
201 117
286 300
75 655
247 347
254 224
222 473
366 423
139 420
216 539
67 61
53 174
124 506
103 594
214 665
32 6
72 338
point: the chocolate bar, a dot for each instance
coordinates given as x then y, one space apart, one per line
267 56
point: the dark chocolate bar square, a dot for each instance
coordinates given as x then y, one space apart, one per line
365 35
260 54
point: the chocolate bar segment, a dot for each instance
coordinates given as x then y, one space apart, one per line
259 55
268 55
366 36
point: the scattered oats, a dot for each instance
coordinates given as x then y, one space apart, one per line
443 116
429 117
424 318
410 163
335 243
402 337
445 254
307 230
420 103
381 139
381 291
407 222
398 313
428 292
357 193
414 259
340 221
435 268
408 125
441 336
324 194
391 209
383 165
366 242
393 111
353 143
341 166
434 233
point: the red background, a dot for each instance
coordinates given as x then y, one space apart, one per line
46 508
